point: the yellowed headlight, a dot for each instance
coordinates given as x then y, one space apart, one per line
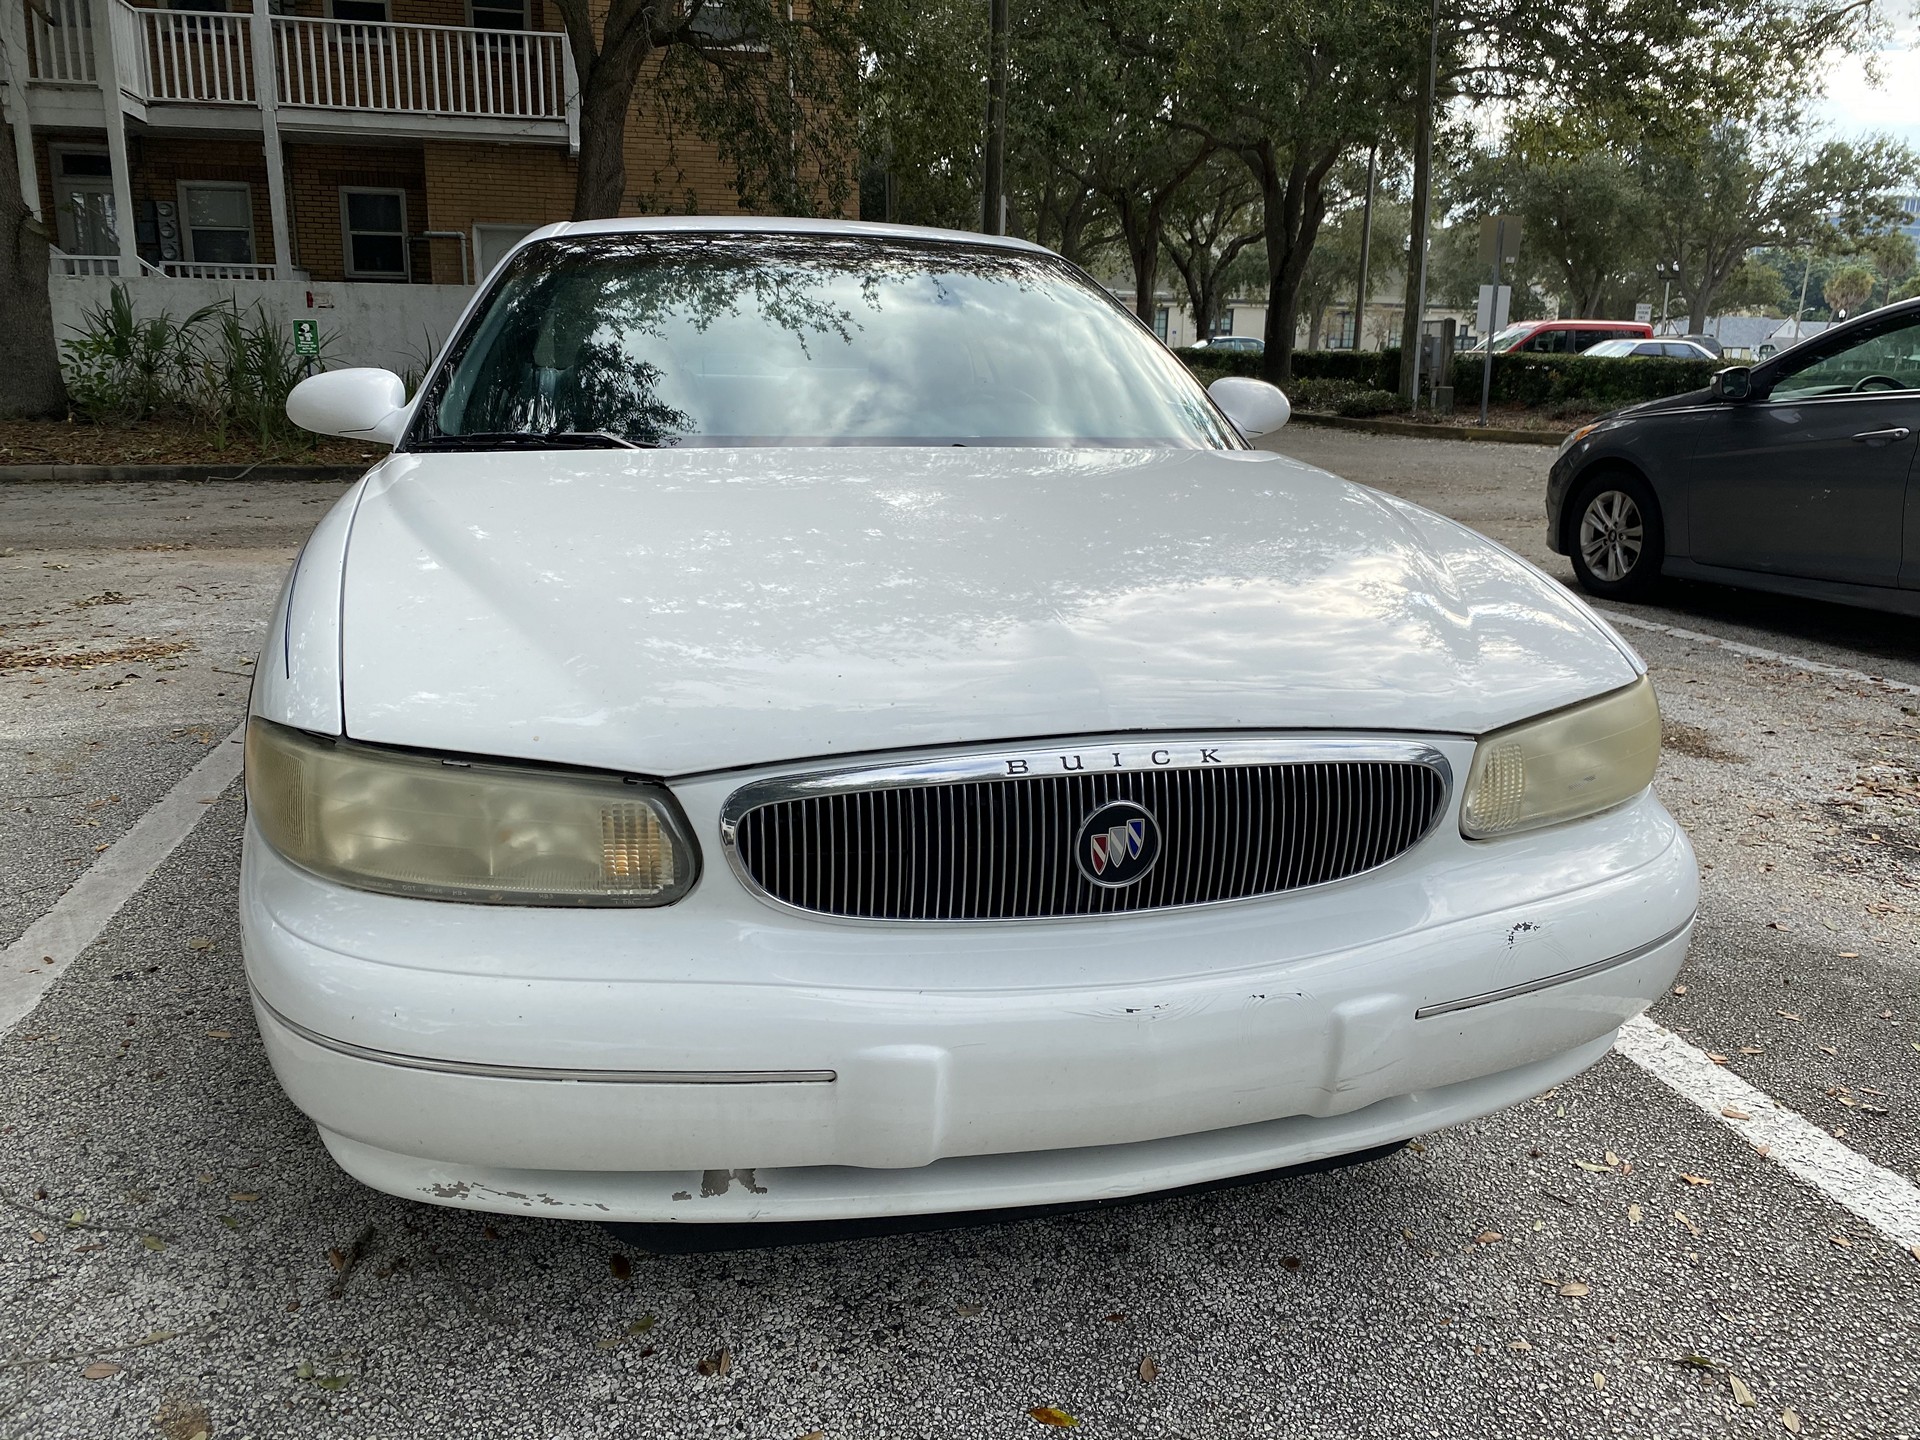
452 830
1574 762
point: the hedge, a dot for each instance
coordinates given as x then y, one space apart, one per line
1524 380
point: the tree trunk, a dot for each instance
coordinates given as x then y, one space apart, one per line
1144 251
1417 237
31 386
600 181
1316 323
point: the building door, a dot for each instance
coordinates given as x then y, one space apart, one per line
83 203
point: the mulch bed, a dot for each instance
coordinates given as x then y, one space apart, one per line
159 442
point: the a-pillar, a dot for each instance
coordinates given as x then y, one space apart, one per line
106 68
266 90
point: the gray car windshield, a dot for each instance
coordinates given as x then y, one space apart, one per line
724 339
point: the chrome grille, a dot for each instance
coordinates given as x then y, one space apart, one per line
980 839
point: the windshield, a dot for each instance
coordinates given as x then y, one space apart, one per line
1510 337
1613 348
720 339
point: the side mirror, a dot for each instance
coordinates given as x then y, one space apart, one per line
1255 407
1734 384
360 404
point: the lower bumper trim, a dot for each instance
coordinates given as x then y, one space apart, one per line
539 1072
1598 967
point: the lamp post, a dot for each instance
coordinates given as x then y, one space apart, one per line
1666 270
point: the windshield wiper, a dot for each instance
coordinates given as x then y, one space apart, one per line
537 440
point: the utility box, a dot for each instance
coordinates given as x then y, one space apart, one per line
1437 339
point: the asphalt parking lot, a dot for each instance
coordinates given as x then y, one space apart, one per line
1699 1237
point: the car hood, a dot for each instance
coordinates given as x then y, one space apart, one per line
669 612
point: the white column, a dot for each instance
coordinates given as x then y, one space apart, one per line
13 42
106 67
572 83
266 90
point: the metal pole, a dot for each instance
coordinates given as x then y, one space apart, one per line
993 197
1493 317
1805 275
1420 219
1366 248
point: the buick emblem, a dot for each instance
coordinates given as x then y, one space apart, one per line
1117 844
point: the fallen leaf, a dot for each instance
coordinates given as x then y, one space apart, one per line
1717 1059
642 1325
1695 1362
39 1237
1518 1345
1741 1394
1634 1214
1290 1262
1599 1380
718 1363
1732 1114
1488 1237
1054 1416
968 1312
331 1382
1612 1159
200 942
1679 989
303 1370
1574 1289
99 1370
1595 1166
243 1197
1149 1372
1790 1420
1786 1015
1751 1050
1842 1241
153 1242
814 1435
620 1267
1681 1217
1695 1179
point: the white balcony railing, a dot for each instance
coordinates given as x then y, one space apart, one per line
62 263
421 69
60 42
214 270
201 57
191 55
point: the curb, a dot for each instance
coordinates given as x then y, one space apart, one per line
1414 429
180 474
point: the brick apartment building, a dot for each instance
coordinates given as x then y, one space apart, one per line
311 140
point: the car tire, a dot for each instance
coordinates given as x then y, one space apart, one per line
1616 537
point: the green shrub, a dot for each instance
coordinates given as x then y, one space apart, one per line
1342 397
222 367
1578 383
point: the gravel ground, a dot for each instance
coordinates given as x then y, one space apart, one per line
135 1102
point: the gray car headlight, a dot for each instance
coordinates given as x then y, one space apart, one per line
1574 762
482 832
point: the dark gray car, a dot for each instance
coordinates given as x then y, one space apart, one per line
1795 475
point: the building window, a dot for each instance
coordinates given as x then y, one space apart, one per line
498 14
491 243
375 225
219 221
369 12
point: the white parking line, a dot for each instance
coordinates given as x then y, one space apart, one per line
1797 662
1886 1201
51 943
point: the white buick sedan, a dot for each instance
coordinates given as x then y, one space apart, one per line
818 720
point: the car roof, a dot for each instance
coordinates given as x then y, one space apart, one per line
777 225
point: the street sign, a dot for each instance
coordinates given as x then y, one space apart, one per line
306 337
1499 239
1491 318
1643 312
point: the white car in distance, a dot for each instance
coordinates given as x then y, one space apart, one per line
819 721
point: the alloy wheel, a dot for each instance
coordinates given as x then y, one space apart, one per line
1612 535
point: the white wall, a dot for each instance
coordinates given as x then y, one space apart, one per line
394 327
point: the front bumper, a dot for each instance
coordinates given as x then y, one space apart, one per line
720 1060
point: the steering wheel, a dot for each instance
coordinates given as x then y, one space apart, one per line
1887 380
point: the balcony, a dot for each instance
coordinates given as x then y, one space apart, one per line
195 69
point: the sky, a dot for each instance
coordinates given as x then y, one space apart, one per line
1855 105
